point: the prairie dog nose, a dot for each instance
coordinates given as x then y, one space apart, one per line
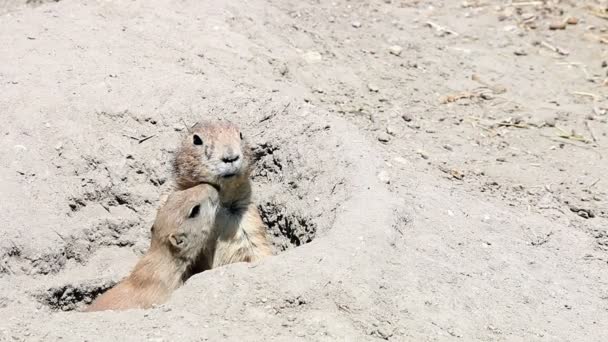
230 158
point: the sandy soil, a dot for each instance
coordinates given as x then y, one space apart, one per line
429 170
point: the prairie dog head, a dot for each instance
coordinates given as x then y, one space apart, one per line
213 153
183 224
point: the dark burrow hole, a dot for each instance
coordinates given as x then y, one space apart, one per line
71 297
287 230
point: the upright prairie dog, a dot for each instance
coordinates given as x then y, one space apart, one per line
215 153
180 232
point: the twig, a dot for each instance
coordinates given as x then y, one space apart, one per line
571 135
554 48
459 96
573 144
146 138
581 93
582 66
130 137
593 184
590 131
600 13
274 113
186 125
600 38
440 28
510 124
61 236
528 21
526 3
475 122
544 240
285 108
497 89
335 185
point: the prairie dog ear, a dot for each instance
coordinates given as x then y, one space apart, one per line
178 240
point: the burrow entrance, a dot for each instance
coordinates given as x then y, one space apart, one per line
298 181
73 297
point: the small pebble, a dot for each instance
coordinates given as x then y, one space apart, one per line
572 21
406 117
312 57
356 24
448 148
390 130
400 160
373 88
384 137
395 50
486 96
423 154
583 214
384 178
558 25
520 52
283 70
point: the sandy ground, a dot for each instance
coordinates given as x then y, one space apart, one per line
429 170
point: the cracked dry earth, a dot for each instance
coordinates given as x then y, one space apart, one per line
428 170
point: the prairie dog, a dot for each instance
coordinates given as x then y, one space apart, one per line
180 232
215 153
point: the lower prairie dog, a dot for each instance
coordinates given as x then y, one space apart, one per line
180 232
215 153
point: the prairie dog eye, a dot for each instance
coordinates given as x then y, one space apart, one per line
194 211
241 135
196 140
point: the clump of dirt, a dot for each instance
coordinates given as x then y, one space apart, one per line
15 261
268 163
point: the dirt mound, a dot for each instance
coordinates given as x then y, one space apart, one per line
417 182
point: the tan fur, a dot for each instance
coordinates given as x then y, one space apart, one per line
239 232
178 239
